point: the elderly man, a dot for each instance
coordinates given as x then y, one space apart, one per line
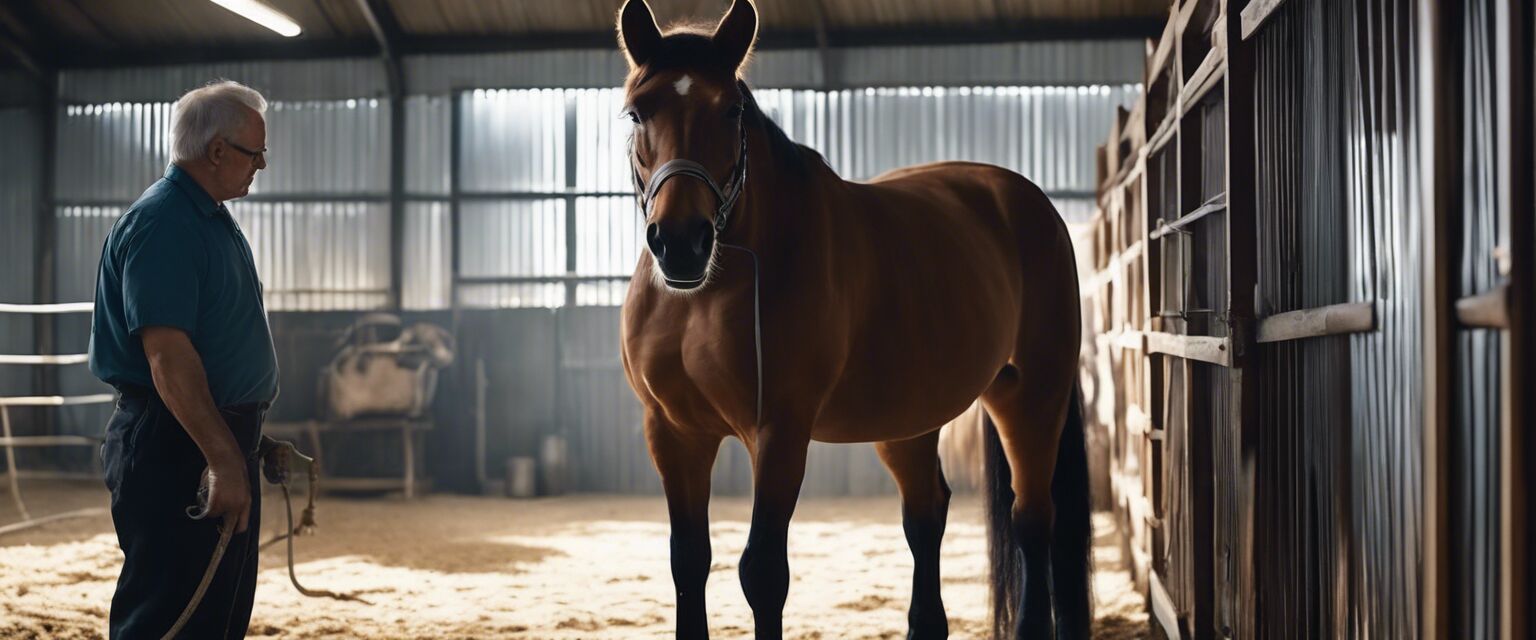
180 330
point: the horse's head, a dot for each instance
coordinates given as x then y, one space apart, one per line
688 144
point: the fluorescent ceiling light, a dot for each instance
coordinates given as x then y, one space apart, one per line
259 13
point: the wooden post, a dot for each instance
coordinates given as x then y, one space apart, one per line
1439 37
1514 24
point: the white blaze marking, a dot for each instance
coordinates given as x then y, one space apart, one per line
683 84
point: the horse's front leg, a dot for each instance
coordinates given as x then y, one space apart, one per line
778 466
684 461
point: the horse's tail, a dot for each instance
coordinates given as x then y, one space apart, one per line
1072 534
1007 564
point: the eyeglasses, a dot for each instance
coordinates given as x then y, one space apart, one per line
254 154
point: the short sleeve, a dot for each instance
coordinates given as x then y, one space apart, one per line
163 269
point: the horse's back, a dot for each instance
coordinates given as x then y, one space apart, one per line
1049 322
952 246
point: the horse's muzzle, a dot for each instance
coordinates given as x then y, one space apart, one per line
682 251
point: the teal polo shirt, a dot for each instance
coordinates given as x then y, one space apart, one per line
177 259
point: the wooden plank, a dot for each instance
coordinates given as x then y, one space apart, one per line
1164 51
1353 317
1164 133
1090 286
1487 310
1211 71
1215 205
1162 609
1202 348
1131 339
1256 14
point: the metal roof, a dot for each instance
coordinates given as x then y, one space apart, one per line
95 33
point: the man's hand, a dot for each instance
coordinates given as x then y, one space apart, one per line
183 386
274 459
229 492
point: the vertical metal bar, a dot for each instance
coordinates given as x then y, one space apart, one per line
570 197
567 312
455 198
397 194
12 473
45 284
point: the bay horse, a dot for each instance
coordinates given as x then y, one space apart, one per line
784 304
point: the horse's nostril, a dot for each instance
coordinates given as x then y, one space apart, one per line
653 240
703 240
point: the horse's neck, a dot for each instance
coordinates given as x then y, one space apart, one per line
781 208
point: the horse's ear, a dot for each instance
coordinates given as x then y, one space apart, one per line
736 33
638 33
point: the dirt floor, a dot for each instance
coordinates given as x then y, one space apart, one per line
574 567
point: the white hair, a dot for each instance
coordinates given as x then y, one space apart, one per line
214 109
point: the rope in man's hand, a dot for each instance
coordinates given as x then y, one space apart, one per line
275 459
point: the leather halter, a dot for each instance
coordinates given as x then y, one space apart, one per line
725 198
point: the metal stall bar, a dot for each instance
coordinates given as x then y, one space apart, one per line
10 441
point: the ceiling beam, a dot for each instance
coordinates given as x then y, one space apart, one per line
1036 30
23 57
299 49
823 44
386 30
27 50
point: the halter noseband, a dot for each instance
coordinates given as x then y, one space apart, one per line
725 199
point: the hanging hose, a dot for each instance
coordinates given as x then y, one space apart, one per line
273 455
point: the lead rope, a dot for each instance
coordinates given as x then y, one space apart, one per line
227 530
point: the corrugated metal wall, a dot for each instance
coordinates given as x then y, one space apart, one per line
19 183
1475 434
317 218
1057 63
542 148
1338 474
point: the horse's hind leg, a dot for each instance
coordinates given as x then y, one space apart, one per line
924 508
684 464
1029 420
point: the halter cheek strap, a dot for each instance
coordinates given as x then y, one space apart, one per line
725 198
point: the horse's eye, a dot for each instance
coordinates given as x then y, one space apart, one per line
734 112
633 117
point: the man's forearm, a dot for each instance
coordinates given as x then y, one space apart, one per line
182 384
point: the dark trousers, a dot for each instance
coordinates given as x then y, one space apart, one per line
153 469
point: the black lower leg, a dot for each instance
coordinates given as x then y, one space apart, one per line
1033 531
691 558
764 572
925 616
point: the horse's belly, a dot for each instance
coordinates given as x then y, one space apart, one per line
892 391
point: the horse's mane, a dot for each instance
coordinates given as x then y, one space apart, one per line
689 46
790 155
